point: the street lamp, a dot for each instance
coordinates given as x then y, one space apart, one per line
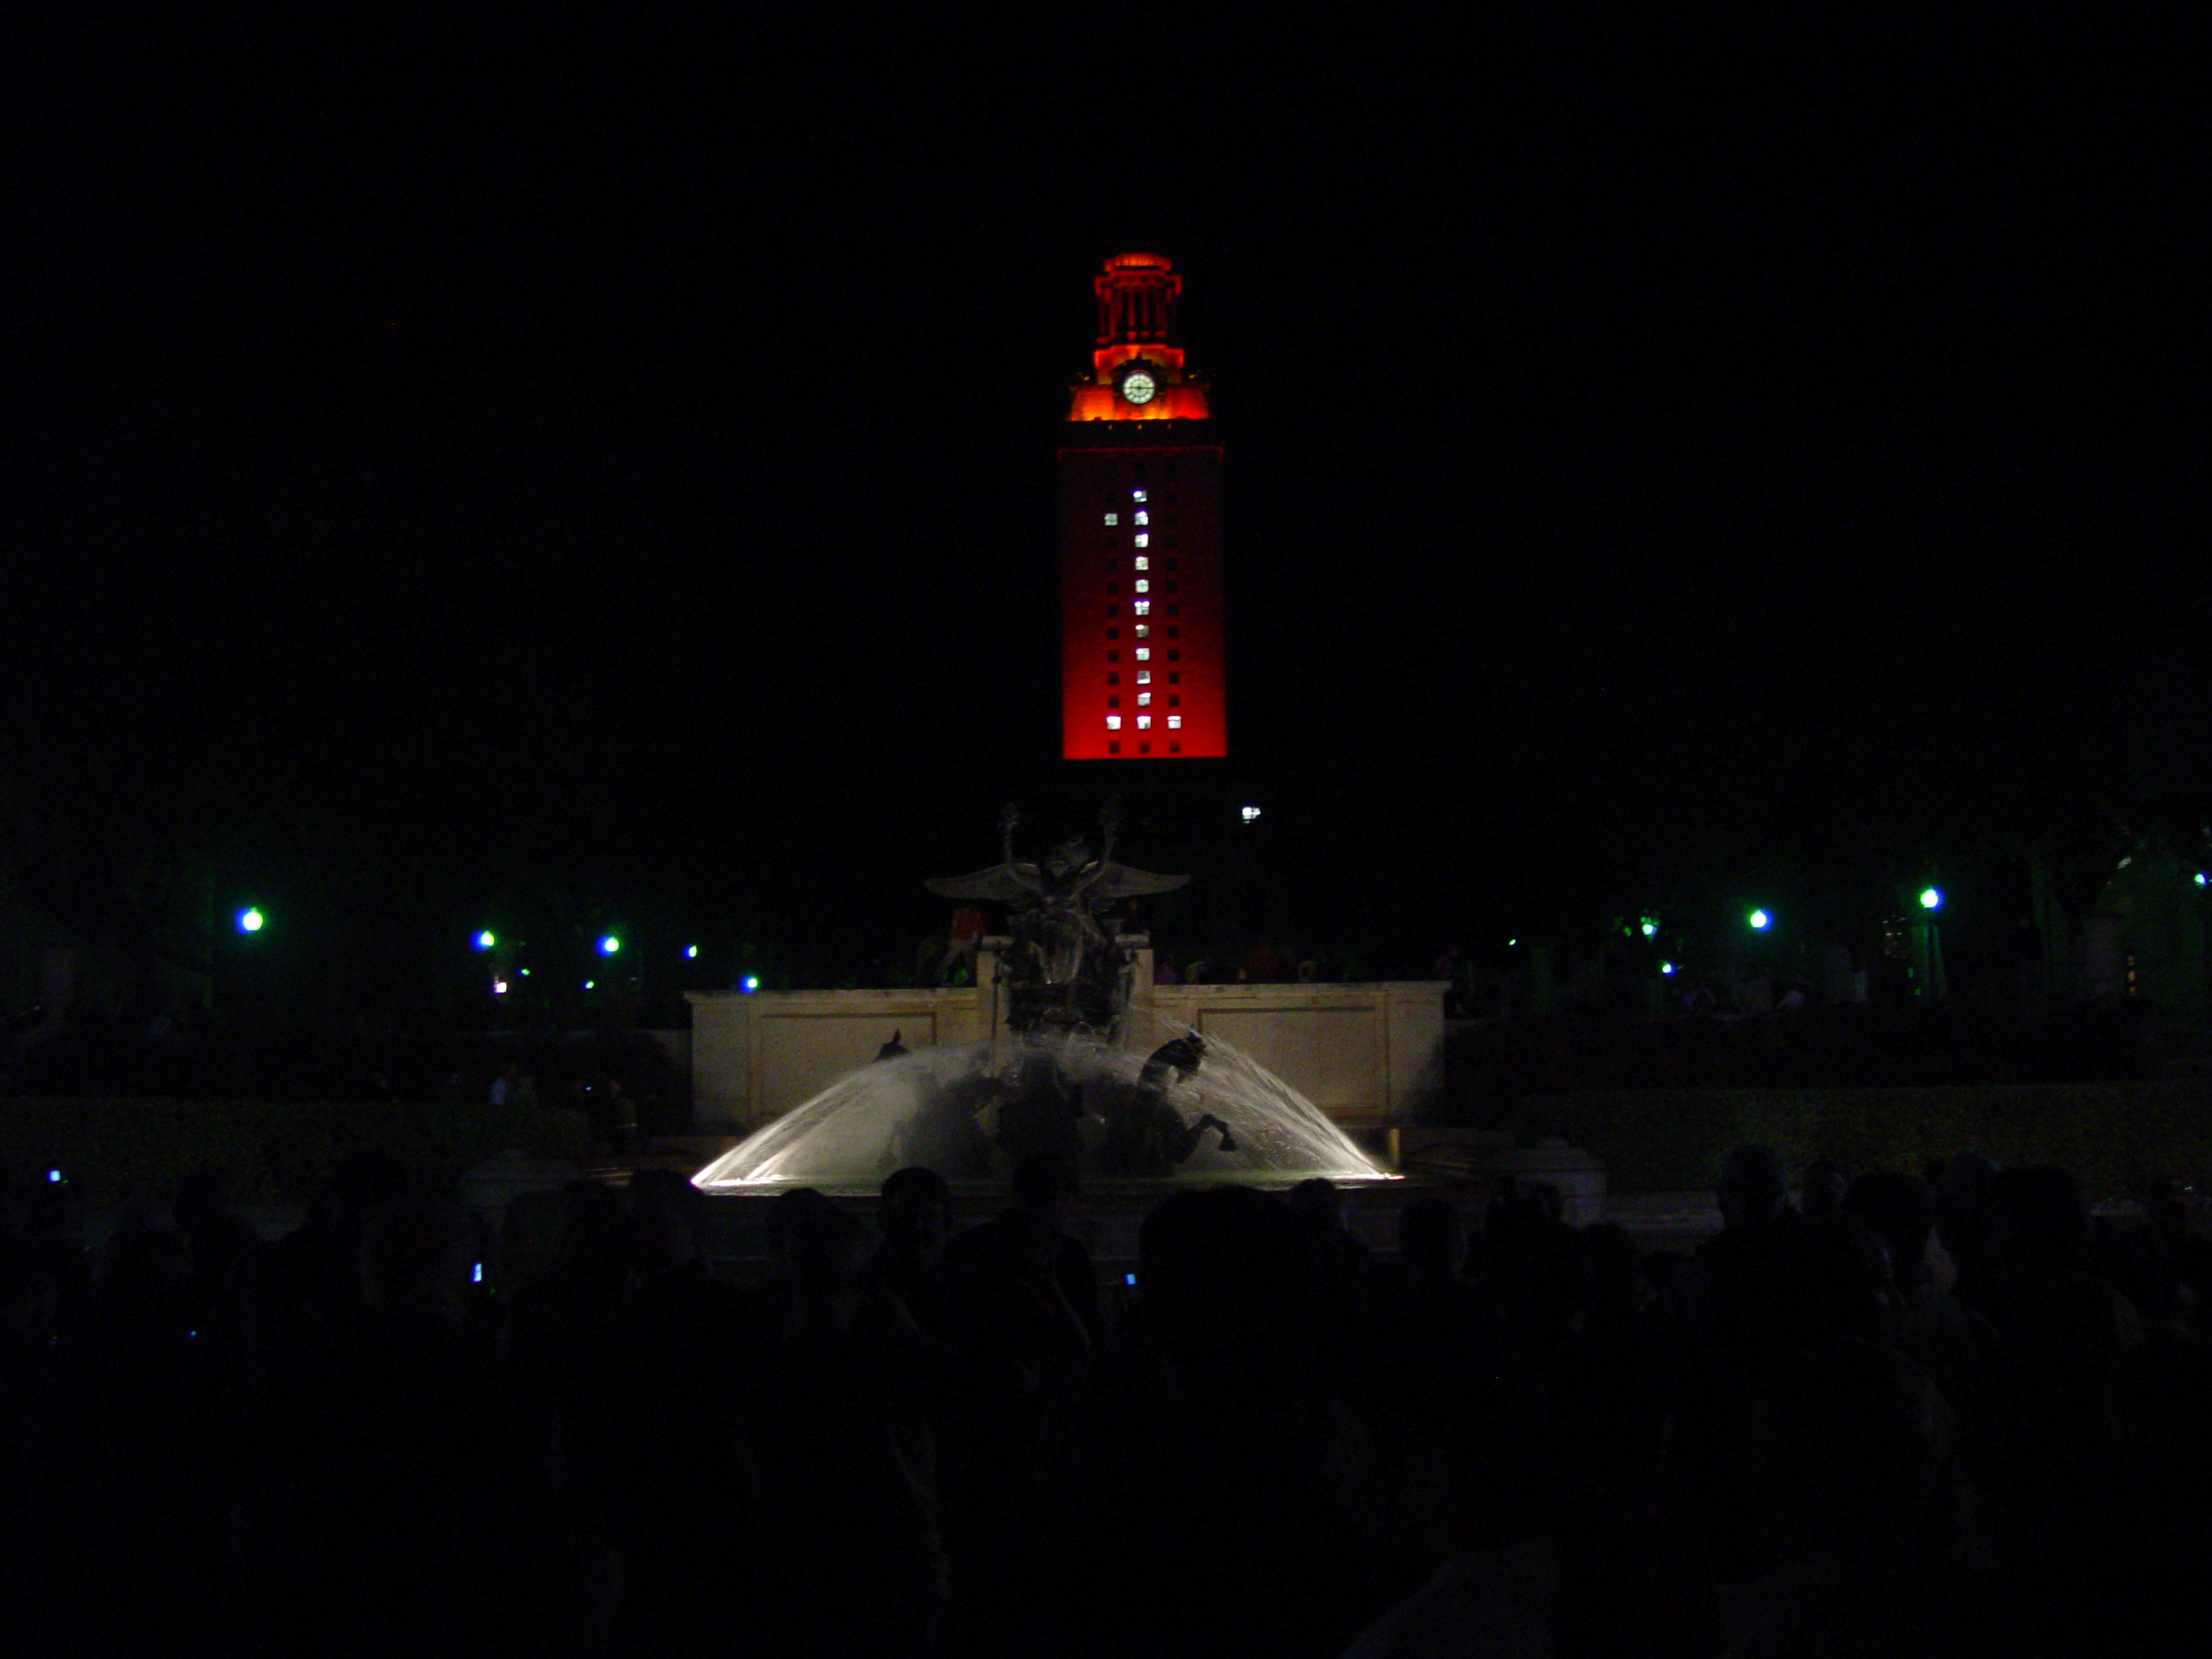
1928 946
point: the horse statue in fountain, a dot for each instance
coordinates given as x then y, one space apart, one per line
1062 971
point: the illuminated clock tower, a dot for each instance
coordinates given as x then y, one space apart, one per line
1139 538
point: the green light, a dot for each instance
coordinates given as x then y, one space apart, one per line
690 953
1929 899
609 945
590 984
486 939
1649 927
751 983
1666 967
251 920
1760 920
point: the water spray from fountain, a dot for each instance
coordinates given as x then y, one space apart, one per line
1054 1077
971 1112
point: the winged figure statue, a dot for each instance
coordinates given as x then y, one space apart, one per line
1063 969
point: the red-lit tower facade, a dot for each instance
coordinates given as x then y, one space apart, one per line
1140 538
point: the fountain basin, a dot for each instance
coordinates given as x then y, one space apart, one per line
971 1112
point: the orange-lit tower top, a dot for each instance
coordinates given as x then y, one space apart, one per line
1142 669
1137 370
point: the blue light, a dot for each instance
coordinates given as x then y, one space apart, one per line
609 945
2200 878
1760 920
1930 899
251 920
53 1177
1666 967
691 953
486 939
748 983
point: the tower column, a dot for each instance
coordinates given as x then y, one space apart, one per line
1142 647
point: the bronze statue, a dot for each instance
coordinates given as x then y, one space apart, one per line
1145 1133
1062 971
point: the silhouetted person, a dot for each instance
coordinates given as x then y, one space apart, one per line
38 1485
1430 1240
1429 1450
1966 1199
1854 1488
1833 1281
914 1218
2183 1256
302 1293
1956 1346
1729 1284
1317 1215
566 1334
1820 1194
1186 1497
2154 1598
622 1118
1722 1315
848 1462
413 1502
1021 1287
685 1497
138 1441
216 1241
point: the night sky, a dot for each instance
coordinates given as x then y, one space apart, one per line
594 464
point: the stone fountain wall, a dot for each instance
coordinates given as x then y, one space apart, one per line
1366 1054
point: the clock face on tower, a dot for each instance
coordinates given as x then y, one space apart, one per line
1138 385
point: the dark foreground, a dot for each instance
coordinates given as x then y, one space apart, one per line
390 1433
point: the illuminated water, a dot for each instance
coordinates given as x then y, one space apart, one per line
968 1112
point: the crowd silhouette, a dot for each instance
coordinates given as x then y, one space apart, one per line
1935 1413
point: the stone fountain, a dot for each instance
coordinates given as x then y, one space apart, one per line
1056 1072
